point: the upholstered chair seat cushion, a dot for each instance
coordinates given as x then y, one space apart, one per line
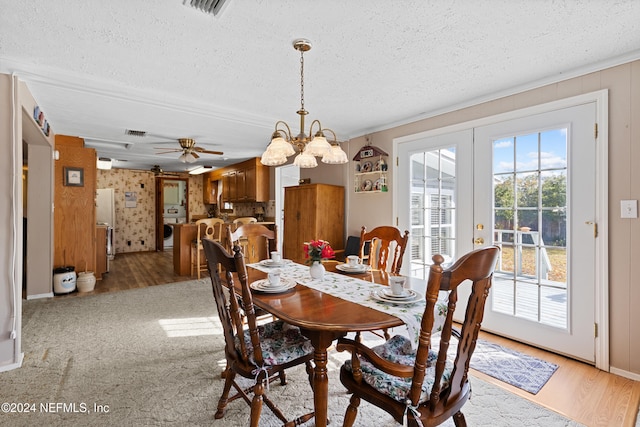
398 350
280 343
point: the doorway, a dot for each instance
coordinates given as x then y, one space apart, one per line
528 184
172 207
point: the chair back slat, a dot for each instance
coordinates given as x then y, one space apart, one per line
384 241
251 236
229 310
209 228
476 266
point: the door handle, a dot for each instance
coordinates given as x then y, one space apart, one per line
479 241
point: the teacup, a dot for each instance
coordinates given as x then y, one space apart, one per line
274 278
353 260
396 283
275 256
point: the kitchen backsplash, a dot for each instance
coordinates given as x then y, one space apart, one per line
249 209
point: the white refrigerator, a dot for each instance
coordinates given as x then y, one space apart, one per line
106 215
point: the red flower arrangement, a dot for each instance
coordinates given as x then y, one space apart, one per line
318 250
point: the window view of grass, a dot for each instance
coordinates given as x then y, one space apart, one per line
557 258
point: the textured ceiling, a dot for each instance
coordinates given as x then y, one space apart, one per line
99 67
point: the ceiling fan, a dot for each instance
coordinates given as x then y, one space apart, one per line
189 150
158 171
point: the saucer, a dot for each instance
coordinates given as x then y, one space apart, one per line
346 268
271 263
265 286
406 294
380 296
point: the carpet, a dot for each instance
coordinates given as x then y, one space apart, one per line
153 357
520 370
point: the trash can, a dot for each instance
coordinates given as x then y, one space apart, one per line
64 280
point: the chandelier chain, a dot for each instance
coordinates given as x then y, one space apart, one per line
301 80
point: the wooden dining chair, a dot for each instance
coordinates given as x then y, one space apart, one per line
245 220
258 353
424 384
376 248
256 241
384 243
210 228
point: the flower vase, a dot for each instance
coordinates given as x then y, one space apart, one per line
317 270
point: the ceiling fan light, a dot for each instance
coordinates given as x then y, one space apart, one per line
318 146
335 156
187 158
305 160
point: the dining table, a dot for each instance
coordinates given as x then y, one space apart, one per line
323 317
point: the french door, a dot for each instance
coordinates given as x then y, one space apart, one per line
527 185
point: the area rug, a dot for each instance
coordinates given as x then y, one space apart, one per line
153 357
520 370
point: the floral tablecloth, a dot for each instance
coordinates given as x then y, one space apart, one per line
359 291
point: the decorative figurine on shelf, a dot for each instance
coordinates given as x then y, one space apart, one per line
383 165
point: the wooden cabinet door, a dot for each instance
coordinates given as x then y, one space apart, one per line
299 220
250 184
229 187
241 190
209 190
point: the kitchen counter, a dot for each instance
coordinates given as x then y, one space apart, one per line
183 235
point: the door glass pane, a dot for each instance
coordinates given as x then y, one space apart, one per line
530 214
433 208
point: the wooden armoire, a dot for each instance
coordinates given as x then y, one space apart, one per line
312 212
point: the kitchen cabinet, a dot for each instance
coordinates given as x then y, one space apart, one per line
209 189
246 182
229 186
312 212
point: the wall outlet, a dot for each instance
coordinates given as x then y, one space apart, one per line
628 209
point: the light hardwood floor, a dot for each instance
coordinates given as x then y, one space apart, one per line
576 390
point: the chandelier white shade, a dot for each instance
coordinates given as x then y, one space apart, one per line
283 144
335 156
305 160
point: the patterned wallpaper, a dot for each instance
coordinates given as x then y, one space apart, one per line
137 224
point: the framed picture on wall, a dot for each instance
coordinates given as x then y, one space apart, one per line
74 177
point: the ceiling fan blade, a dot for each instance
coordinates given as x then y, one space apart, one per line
194 154
202 150
168 151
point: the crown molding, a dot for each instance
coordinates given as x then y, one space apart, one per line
107 89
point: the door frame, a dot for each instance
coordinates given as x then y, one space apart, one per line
601 99
159 181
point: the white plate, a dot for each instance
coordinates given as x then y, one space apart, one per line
264 285
380 296
271 263
356 270
406 294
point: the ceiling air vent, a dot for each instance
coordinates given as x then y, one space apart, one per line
213 7
135 132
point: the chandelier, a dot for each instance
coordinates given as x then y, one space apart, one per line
309 146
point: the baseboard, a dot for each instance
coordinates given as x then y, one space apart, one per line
13 366
38 296
626 374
